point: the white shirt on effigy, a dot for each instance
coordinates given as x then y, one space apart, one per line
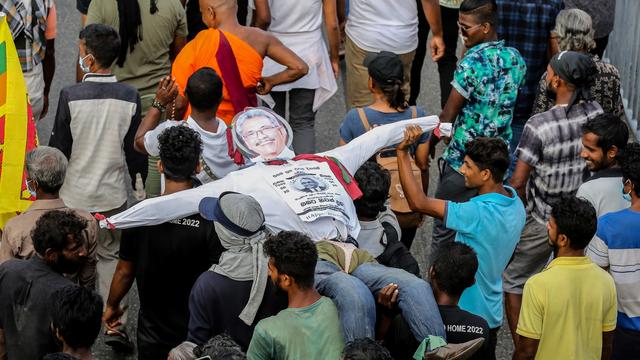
278 214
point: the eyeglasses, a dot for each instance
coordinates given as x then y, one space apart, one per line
263 130
466 29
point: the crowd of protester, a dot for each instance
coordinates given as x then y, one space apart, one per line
244 243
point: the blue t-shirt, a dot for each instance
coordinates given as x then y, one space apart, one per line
491 224
617 246
352 126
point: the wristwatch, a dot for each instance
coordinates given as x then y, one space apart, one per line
156 104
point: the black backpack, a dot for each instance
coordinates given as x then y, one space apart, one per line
396 254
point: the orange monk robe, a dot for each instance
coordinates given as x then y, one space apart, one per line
201 52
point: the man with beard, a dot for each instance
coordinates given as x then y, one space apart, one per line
549 166
309 328
27 285
569 310
604 139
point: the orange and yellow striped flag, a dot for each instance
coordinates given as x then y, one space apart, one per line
17 129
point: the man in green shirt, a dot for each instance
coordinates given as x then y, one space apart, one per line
309 328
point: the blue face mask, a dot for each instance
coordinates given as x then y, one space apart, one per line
626 196
85 69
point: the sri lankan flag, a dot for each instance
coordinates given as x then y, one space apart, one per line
17 129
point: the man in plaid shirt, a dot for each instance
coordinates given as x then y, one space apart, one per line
33 27
526 25
549 166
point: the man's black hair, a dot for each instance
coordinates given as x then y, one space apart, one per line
180 149
103 42
576 219
491 154
204 89
53 228
365 349
294 254
374 181
220 347
631 166
76 313
455 265
611 131
485 11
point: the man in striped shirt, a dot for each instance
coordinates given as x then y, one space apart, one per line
616 247
549 166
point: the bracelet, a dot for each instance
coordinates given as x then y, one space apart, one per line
156 104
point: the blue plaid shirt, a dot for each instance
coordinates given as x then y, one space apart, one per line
525 25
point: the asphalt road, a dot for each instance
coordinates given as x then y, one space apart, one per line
328 121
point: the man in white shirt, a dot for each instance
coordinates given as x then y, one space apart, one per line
204 92
604 139
374 26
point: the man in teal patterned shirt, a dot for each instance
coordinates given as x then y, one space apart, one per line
481 103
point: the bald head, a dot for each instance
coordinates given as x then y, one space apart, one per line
216 12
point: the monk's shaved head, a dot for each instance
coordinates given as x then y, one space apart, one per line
218 4
216 12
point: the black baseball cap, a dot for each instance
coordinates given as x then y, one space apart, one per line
384 66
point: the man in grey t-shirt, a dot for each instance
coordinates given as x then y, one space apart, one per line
604 139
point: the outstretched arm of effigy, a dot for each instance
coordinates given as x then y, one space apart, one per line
164 208
360 149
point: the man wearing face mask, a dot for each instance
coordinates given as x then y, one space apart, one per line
95 128
46 169
27 285
615 247
549 166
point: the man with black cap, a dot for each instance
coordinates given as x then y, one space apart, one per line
549 166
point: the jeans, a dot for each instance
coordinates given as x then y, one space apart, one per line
352 294
447 64
301 117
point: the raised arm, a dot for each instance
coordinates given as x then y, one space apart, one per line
358 150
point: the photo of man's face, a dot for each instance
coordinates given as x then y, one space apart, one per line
309 183
264 137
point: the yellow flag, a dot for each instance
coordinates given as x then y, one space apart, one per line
17 129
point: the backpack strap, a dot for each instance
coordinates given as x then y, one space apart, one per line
414 112
390 232
363 119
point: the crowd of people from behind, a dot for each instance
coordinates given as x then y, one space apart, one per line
246 243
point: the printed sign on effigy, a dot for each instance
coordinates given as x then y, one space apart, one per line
311 190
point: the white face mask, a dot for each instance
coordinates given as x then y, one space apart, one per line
85 69
31 191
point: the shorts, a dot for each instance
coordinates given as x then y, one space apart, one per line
626 344
530 257
83 6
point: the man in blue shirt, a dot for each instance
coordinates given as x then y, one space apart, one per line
490 222
616 248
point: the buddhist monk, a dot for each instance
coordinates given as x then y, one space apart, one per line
235 52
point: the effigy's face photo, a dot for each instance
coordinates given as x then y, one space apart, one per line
261 134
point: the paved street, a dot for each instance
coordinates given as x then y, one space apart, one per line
327 123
